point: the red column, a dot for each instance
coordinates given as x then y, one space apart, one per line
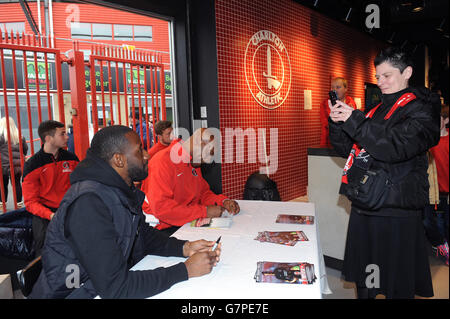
79 105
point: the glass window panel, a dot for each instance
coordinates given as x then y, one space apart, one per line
123 32
102 31
142 33
15 27
80 30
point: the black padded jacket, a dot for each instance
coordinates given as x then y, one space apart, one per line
397 144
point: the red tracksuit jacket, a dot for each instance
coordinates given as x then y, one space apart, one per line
46 181
156 148
176 192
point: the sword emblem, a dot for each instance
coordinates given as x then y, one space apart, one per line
272 81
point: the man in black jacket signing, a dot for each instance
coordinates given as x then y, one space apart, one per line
99 233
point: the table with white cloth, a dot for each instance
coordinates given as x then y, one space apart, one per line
233 277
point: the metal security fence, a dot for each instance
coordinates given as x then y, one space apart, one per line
115 85
27 64
123 76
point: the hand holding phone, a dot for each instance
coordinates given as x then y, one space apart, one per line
333 97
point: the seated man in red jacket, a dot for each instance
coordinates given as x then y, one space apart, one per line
46 178
340 86
176 191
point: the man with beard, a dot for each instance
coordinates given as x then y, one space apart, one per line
99 233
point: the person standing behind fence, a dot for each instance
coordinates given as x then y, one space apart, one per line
15 152
46 178
144 128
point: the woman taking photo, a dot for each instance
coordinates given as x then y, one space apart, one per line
15 151
385 178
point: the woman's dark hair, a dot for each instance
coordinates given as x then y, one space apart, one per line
109 141
395 56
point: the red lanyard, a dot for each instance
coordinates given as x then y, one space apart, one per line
402 101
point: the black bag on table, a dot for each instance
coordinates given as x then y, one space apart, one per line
261 187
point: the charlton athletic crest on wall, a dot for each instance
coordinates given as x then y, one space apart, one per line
267 69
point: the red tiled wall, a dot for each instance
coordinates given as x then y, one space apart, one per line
319 48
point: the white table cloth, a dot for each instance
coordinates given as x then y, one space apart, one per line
233 277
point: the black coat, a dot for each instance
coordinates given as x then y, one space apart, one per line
15 149
398 144
16 235
100 228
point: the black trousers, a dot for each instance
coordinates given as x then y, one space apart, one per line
169 231
39 230
17 178
436 229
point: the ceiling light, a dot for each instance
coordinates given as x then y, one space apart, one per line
347 18
441 26
418 6
391 39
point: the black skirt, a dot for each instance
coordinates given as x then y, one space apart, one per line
393 247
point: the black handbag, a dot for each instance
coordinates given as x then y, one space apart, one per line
368 189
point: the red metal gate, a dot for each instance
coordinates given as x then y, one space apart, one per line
16 48
133 65
128 74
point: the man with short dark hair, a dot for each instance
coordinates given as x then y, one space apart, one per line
164 132
46 178
99 230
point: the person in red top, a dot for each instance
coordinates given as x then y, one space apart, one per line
46 178
440 154
176 191
441 158
340 86
164 132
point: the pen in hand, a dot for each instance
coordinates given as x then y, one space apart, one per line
216 243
